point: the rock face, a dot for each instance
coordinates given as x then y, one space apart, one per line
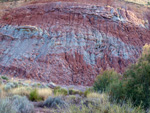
69 43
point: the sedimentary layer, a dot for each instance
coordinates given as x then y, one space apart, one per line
69 43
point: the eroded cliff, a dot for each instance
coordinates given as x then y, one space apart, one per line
69 43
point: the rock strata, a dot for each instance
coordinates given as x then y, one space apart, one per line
69 43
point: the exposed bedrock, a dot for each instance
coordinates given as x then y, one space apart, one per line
69 43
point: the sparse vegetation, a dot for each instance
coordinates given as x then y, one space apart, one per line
117 91
16 104
22 91
34 96
55 103
142 2
60 91
138 79
30 92
74 92
22 104
4 78
111 92
94 95
133 86
102 106
6 106
44 93
89 90
10 85
105 79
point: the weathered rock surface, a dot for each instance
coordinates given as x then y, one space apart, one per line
69 43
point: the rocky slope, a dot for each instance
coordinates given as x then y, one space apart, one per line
69 43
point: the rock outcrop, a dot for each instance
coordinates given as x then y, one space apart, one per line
69 43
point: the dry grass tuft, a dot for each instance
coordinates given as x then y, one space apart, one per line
96 95
45 92
23 91
141 2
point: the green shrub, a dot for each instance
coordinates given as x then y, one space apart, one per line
55 103
60 91
4 78
22 104
1 81
74 92
22 91
74 99
16 104
87 91
138 83
57 87
0 93
137 77
92 106
10 85
81 93
105 79
135 85
34 96
7 87
6 106
117 91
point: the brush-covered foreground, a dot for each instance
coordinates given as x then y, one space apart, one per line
25 97
32 100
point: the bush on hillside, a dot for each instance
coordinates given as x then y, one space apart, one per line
10 85
137 77
138 86
55 103
34 96
117 91
105 79
44 93
74 92
87 91
135 84
4 78
22 91
22 104
60 91
16 104
6 106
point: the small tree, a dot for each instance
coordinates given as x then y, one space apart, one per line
138 80
105 79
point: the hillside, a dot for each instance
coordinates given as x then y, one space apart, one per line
70 42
